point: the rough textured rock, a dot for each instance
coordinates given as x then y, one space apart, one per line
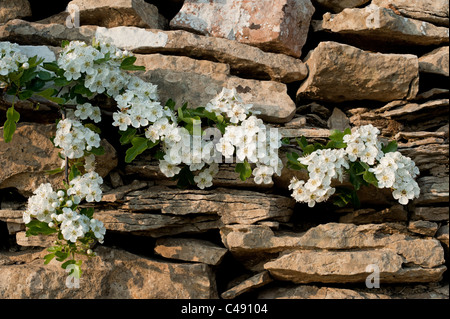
249 284
112 274
113 13
345 267
434 11
435 62
395 213
34 241
30 154
431 213
280 26
314 292
432 190
423 227
373 23
154 224
243 59
189 249
233 206
13 9
197 81
51 34
339 5
338 120
443 236
385 77
430 291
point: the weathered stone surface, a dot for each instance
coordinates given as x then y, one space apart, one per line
280 26
189 249
156 225
249 284
423 227
431 213
118 193
432 190
384 77
233 206
197 81
13 220
347 267
434 11
373 23
50 34
422 291
30 154
314 292
34 241
339 5
242 58
435 62
338 120
395 213
112 13
443 236
112 274
13 9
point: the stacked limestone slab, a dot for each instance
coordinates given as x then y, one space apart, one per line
308 66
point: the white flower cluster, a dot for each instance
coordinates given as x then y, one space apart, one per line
55 208
398 172
78 58
138 106
74 138
363 144
323 166
246 137
86 187
229 103
11 58
392 170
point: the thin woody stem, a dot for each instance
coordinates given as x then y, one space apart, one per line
66 159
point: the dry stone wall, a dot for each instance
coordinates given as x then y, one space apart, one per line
309 67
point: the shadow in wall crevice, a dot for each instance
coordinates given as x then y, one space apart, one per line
42 9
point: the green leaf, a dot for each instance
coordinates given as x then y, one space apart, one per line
35 85
89 212
44 75
244 169
93 128
347 131
370 178
170 104
128 64
74 172
334 145
391 147
48 258
302 142
355 179
309 149
98 151
51 66
36 227
54 171
140 144
61 81
286 140
81 89
127 136
65 43
336 136
12 117
159 155
185 177
133 68
24 95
